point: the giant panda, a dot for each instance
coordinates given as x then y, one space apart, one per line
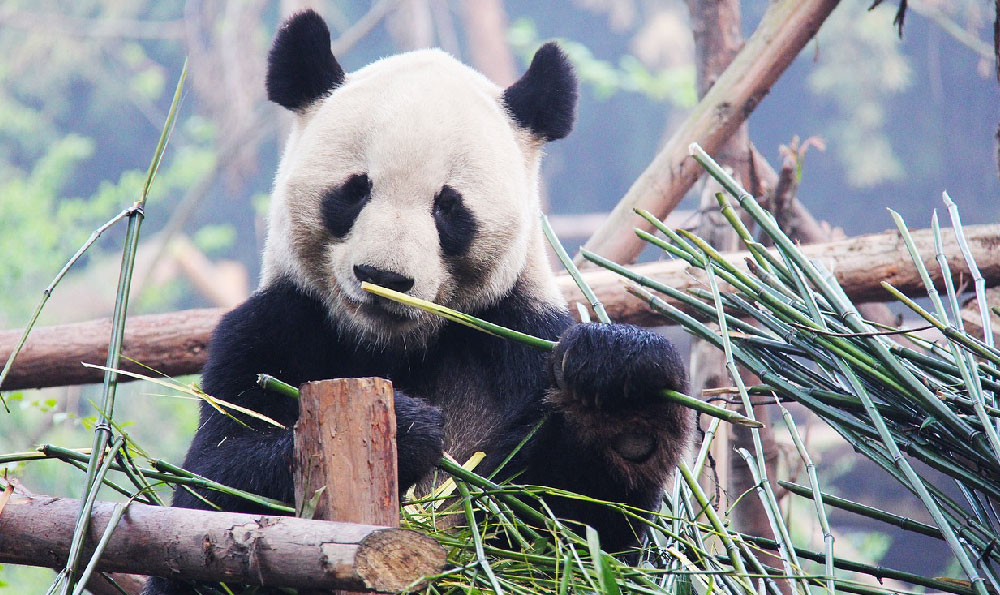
419 174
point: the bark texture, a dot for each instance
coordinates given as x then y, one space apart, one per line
222 546
345 441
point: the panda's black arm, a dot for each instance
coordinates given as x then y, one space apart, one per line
282 332
608 434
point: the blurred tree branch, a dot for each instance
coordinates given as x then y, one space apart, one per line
785 29
61 24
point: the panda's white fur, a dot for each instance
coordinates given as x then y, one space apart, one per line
381 121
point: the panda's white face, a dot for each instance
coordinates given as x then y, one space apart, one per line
412 175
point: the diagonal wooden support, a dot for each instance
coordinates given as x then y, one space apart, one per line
785 29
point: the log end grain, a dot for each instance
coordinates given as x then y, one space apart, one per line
389 560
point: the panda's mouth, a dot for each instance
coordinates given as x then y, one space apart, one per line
385 311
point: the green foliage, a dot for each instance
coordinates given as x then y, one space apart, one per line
212 239
860 68
674 85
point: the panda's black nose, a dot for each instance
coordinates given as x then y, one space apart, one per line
387 279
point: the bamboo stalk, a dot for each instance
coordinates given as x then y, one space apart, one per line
545 345
574 272
817 497
48 293
102 430
863 510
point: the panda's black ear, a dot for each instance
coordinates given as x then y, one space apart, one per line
301 67
544 99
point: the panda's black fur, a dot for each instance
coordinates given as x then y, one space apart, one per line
606 432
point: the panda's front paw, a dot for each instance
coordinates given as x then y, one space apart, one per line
419 438
612 366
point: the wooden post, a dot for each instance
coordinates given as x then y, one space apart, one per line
345 441
345 445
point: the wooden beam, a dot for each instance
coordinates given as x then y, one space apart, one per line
175 343
785 29
222 546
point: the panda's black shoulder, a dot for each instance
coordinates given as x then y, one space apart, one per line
279 330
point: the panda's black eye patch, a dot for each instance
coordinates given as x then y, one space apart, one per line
342 204
454 221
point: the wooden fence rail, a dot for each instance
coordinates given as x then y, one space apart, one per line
175 343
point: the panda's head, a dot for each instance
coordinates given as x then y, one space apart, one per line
416 173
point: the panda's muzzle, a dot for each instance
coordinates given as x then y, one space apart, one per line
387 279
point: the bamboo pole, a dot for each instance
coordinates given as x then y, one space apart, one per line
785 29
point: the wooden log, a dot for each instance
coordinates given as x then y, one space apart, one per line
174 343
222 546
345 452
785 29
860 264
345 444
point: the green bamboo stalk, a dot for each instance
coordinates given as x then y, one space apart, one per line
131 470
876 571
695 304
786 550
545 345
735 558
863 510
706 444
970 343
83 520
696 258
116 516
963 360
453 468
477 539
755 249
845 310
163 471
567 262
970 261
271 384
916 483
764 486
102 431
817 497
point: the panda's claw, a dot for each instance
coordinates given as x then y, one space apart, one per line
607 366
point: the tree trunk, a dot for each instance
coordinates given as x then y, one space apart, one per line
345 452
345 444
